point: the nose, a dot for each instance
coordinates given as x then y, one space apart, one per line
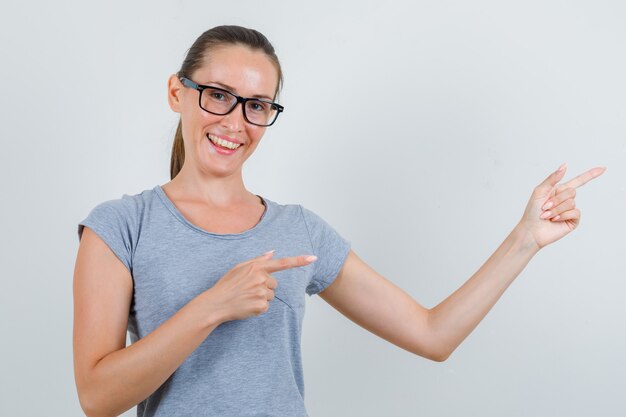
234 121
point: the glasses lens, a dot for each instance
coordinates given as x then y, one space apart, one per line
260 112
217 101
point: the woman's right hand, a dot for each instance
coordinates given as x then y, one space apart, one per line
247 288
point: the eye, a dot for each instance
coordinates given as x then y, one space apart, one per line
217 95
258 106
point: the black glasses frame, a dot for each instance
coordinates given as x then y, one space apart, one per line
188 83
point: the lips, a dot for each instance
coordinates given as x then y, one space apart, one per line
218 148
225 141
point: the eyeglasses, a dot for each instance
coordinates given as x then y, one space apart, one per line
218 101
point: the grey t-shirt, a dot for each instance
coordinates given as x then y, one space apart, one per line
249 367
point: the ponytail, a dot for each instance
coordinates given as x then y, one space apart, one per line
178 152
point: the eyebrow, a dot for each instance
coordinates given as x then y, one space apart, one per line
228 87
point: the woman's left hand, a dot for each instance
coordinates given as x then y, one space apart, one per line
551 212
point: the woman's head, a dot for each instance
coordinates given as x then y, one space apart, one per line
238 59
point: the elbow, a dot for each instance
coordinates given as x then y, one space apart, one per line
91 408
436 352
99 396
441 356
95 410
91 403
437 343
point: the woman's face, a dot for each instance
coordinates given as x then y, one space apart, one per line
240 70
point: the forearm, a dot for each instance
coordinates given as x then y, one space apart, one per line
452 320
126 377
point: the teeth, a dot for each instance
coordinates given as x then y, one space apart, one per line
224 143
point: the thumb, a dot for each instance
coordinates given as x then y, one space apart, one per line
553 179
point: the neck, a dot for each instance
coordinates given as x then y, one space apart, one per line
219 192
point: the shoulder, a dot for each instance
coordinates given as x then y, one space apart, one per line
128 205
118 223
283 212
296 212
312 219
125 211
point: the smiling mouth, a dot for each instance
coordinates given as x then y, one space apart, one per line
222 143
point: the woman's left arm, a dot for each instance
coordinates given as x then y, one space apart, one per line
378 305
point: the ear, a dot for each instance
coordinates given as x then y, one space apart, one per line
174 93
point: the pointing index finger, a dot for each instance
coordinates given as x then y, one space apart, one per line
273 265
584 178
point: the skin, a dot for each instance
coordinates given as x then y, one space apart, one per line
210 185
112 377
378 305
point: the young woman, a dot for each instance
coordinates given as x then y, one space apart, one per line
215 319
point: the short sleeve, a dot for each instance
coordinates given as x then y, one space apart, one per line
112 222
330 248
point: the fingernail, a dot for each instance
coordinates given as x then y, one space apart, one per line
546 214
268 252
555 218
562 167
311 258
547 205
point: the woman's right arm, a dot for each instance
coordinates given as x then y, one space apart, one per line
110 377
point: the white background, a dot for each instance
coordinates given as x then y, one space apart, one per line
418 130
